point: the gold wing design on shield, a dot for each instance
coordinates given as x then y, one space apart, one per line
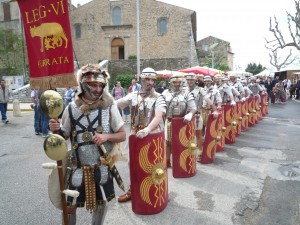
228 119
213 134
187 142
157 176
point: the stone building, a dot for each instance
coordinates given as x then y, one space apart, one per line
107 29
9 16
215 49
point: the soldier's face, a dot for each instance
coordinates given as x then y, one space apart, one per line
149 84
207 83
218 81
96 88
190 82
233 79
176 85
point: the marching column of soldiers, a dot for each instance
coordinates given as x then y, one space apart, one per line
199 120
176 129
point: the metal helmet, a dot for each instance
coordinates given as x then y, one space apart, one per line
90 73
148 73
176 78
225 78
218 77
232 76
207 78
190 76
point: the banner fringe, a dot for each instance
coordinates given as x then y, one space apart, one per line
53 82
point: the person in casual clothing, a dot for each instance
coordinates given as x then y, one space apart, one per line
92 120
134 86
68 95
297 89
118 92
37 113
44 118
268 85
4 98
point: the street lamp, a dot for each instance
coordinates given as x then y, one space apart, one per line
138 59
211 48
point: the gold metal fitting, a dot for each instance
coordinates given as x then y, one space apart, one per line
158 173
218 138
55 147
192 149
223 129
240 118
233 123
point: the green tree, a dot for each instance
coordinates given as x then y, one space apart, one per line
254 68
11 52
125 80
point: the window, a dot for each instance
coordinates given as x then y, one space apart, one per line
6 11
116 17
78 30
205 48
162 26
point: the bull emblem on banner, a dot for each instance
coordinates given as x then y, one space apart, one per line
51 35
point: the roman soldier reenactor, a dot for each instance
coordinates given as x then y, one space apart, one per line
180 104
146 145
95 127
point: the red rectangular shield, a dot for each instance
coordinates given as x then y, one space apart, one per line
183 148
148 173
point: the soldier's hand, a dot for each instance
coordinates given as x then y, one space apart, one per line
54 125
99 139
215 114
143 133
188 117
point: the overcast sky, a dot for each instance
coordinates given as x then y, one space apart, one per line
243 23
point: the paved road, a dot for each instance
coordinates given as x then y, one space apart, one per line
253 182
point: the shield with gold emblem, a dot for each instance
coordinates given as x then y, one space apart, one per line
211 139
184 148
245 115
257 108
238 117
148 173
221 130
230 124
251 111
264 104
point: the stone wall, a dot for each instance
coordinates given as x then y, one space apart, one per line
98 32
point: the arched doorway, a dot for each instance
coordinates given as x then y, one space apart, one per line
117 49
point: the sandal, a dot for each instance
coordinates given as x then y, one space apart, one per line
125 198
